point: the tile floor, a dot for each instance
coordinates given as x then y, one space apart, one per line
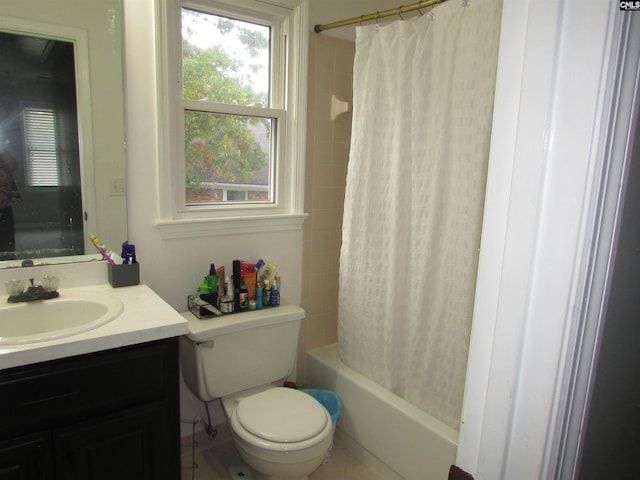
213 458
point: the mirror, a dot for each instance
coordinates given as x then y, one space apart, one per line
61 130
41 212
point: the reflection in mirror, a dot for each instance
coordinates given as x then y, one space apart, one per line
40 182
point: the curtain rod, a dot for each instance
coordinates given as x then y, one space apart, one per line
377 15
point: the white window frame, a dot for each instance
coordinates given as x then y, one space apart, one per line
289 19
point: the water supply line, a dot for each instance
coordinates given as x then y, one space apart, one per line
211 432
193 423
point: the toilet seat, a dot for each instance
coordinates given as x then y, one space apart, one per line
281 419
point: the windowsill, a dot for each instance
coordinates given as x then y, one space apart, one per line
206 227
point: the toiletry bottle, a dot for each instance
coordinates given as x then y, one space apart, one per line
266 294
236 294
206 295
228 286
244 297
267 271
275 295
250 281
277 280
213 279
204 287
236 278
259 295
226 304
220 274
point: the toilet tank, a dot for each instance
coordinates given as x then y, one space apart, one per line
221 356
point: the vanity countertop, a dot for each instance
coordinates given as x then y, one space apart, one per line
145 318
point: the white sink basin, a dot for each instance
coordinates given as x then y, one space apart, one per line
67 315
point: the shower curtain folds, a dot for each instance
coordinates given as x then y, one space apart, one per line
422 108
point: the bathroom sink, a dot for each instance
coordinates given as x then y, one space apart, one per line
67 315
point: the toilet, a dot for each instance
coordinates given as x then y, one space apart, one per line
281 433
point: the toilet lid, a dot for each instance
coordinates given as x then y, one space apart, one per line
282 415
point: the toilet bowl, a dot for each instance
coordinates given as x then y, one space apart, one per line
279 432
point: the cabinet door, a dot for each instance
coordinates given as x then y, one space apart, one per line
61 392
26 458
131 445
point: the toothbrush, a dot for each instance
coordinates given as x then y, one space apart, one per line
102 250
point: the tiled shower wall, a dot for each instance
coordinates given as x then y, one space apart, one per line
330 73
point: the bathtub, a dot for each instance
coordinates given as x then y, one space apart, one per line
379 428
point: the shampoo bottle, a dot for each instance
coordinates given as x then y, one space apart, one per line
275 295
259 295
277 281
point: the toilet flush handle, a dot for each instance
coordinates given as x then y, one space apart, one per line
207 344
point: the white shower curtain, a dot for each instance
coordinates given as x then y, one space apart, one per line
422 108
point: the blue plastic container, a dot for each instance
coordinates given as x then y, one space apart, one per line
332 403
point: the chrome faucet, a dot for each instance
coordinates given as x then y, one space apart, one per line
48 290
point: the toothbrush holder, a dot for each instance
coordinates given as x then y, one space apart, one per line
124 275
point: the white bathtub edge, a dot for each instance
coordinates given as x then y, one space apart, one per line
404 438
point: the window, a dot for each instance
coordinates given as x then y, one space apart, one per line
41 147
229 125
233 98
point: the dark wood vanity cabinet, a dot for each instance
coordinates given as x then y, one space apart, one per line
101 416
